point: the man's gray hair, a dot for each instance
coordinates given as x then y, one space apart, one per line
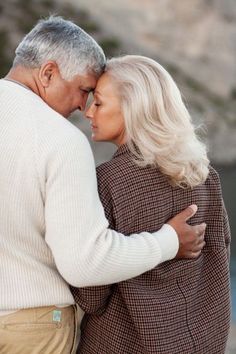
74 51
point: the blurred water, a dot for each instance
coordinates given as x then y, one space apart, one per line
233 288
228 181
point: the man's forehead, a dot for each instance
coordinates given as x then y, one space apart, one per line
89 81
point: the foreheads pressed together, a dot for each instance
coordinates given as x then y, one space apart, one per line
137 102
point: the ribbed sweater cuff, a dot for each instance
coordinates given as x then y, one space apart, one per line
169 242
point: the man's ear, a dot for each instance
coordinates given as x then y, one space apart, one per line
47 73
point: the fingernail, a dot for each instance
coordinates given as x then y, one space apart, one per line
193 207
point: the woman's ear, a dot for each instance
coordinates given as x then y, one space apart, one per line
47 72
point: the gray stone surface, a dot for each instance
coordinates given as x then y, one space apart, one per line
196 40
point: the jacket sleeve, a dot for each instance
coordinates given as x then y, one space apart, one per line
218 208
226 231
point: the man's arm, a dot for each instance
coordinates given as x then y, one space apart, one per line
86 252
95 299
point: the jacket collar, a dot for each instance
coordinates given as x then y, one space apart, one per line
123 149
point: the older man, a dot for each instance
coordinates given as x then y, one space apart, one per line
53 231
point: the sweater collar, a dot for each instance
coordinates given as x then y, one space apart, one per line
17 82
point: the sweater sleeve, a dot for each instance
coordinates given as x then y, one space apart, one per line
85 251
94 299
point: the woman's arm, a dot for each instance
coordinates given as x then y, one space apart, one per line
226 231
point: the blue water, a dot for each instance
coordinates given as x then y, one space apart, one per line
233 288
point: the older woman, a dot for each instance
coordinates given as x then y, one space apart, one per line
160 167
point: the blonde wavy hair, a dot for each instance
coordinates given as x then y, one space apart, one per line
158 126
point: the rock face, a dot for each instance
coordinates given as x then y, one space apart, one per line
196 41
189 33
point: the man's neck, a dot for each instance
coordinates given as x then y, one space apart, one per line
25 77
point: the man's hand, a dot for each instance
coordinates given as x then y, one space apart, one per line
191 238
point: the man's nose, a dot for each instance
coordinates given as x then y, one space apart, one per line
82 104
89 113
81 107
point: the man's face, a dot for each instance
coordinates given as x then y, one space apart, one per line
67 96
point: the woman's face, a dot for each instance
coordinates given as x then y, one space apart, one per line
104 113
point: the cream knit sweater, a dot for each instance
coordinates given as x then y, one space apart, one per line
52 226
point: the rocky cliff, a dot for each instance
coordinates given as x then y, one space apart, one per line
196 41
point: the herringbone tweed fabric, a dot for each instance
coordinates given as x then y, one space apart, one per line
181 306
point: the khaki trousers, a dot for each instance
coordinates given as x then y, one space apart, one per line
42 330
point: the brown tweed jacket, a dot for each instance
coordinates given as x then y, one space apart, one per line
181 306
